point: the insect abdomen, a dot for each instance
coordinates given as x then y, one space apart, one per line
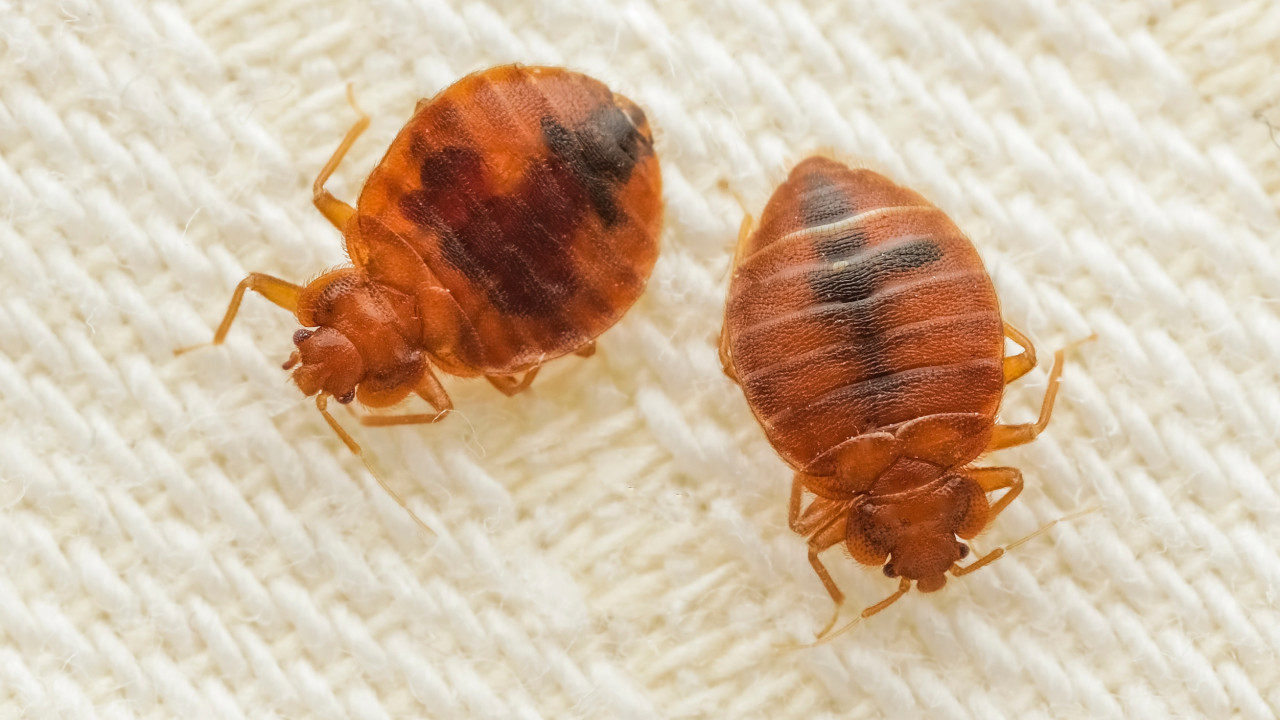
534 196
859 306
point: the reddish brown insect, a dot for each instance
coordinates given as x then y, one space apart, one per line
867 337
513 220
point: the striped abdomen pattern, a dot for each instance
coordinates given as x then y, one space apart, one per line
855 306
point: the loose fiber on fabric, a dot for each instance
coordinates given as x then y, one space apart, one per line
184 537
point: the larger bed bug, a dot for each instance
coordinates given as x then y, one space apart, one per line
513 220
867 338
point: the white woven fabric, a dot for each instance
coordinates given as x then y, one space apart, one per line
185 538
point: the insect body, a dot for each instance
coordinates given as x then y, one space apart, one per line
513 220
867 338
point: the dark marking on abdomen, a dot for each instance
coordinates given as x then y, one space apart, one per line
842 245
517 247
452 178
822 200
599 155
863 273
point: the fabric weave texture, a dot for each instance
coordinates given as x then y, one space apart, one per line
184 537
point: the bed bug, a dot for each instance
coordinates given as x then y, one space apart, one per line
867 338
513 220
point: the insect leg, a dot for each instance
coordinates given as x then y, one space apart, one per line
991 479
744 232
836 596
322 404
508 384
726 362
281 292
1011 435
1015 366
821 521
410 419
334 210
1006 436
429 389
793 510
820 540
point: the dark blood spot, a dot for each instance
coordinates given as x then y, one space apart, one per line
452 178
599 155
515 247
518 247
842 245
822 200
853 276
860 275
912 255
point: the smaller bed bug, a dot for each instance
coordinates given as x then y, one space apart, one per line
867 338
513 220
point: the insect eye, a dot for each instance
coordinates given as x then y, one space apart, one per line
300 336
889 571
346 398
964 550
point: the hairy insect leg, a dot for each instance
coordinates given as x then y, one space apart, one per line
726 362
322 404
1015 366
508 385
429 389
904 586
408 419
793 509
744 232
836 596
281 292
819 539
819 520
334 210
999 552
587 350
1006 436
991 479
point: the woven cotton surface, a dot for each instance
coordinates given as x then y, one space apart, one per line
183 537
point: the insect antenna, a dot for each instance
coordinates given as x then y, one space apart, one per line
824 637
322 404
999 552
904 585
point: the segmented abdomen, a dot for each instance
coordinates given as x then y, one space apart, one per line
534 196
857 305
